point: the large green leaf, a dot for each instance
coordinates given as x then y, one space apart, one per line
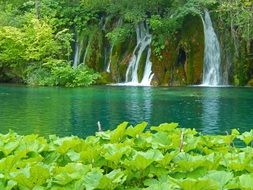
221 177
31 176
92 179
69 173
64 144
112 180
33 143
163 182
246 181
114 152
160 140
118 133
246 137
198 184
142 160
137 130
166 127
11 163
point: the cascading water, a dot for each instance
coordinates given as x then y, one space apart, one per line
212 59
108 60
86 52
143 42
76 57
148 75
79 56
108 67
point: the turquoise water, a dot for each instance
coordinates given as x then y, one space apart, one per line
65 111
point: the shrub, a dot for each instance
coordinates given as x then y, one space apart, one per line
60 73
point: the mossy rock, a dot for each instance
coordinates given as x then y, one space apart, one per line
105 78
121 56
155 81
192 41
94 57
167 78
161 66
169 70
115 68
179 78
142 64
250 83
123 65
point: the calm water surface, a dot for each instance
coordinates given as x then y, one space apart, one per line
64 111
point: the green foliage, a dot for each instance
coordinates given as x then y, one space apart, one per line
31 45
35 31
119 34
238 15
12 45
163 157
60 73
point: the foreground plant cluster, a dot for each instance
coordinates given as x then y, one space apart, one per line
163 157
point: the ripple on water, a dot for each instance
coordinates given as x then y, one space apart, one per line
76 111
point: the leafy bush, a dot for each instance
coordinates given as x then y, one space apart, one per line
164 157
60 73
119 34
31 45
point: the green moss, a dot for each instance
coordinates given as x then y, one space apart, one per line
104 79
236 81
243 67
179 77
121 56
161 67
192 41
122 71
94 57
167 78
250 82
116 54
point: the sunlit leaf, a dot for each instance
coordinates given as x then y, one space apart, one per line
118 133
136 130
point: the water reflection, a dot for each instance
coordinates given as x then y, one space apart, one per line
147 93
210 110
138 104
76 111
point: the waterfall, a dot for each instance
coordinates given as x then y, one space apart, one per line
143 42
86 52
212 59
77 52
108 67
76 56
147 76
79 55
111 46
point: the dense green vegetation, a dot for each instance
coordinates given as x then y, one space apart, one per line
34 52
163 157
37 37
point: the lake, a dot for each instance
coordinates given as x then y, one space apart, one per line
67 111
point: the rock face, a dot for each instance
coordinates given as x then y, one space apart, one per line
182 58
180 63
250 82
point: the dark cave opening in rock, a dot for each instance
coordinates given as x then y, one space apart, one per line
181 59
